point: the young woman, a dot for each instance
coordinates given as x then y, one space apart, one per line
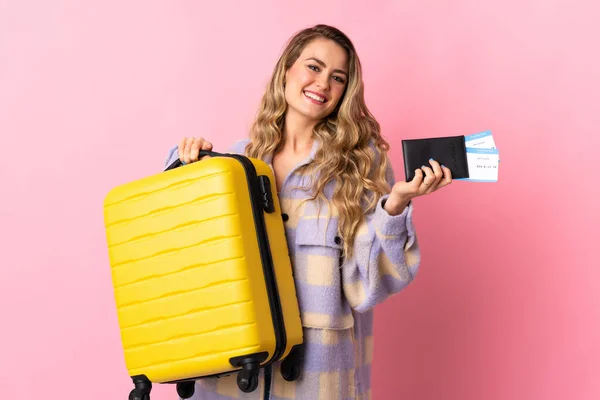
348 223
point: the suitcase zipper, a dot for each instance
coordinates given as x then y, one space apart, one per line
267 261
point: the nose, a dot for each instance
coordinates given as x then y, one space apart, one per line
323 81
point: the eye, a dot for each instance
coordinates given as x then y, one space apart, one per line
313 67
339 79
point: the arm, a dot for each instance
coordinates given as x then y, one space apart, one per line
386 254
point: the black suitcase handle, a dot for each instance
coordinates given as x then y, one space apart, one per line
178 163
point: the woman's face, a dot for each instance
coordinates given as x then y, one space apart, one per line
315 83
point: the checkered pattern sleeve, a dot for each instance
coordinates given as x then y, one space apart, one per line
386 256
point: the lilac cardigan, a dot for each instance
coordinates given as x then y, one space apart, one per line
336 302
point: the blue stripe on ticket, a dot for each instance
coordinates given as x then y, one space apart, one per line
478 135
482 151
474 180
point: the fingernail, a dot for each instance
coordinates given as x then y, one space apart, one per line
443 165
431 159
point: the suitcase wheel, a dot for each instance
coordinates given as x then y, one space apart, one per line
247 379
291 366
142 388
290 372
138 395
185 390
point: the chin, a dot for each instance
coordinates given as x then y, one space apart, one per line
316 116
307 114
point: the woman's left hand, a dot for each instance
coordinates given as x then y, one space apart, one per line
427 180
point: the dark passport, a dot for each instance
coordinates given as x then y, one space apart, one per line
449 151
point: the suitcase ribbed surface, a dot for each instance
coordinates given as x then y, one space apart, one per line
186 300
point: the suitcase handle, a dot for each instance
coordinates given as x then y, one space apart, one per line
178 163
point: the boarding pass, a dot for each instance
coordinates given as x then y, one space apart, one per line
483 158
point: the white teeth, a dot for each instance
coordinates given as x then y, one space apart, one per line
314 97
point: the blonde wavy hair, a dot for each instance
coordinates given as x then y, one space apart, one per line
352 154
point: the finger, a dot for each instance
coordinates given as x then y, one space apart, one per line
438 175
417 180
195 149
187 150
428 181
437 170
447 179
181 148
206 146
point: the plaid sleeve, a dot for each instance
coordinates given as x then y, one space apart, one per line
386 256
172 155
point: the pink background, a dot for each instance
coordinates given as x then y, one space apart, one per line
506 304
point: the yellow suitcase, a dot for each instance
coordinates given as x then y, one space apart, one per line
202 277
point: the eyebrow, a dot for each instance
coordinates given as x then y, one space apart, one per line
324 65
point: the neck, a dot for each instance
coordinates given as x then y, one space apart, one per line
297 132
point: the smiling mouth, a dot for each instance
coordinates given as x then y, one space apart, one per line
315 97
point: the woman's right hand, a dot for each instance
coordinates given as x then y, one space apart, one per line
189 149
